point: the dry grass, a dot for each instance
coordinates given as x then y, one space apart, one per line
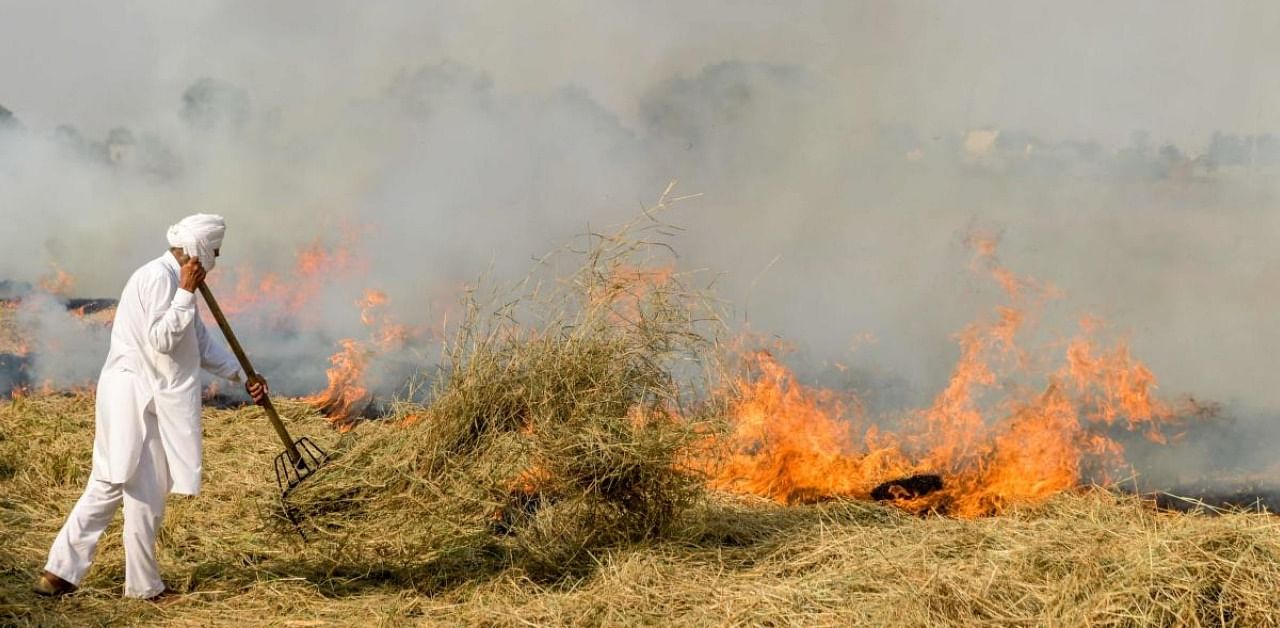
556 420
10 342
1090 558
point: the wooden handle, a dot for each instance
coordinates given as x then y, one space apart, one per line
270 408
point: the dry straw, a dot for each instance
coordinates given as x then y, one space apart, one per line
556 421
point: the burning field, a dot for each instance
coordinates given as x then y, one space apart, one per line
596 445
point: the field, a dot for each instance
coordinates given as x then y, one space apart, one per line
1084 557
587 456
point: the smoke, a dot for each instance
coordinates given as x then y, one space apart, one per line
831 143
65 350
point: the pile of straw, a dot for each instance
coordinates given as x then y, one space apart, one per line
555 430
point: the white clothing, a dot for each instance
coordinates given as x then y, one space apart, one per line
158 346
143 496
147 426
198 235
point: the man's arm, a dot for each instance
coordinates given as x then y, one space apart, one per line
169 318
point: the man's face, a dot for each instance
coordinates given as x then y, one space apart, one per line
182 257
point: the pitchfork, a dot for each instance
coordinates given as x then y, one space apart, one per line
300 458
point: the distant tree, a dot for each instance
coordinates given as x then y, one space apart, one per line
156 160
442 85
1170 161
1227 150
1014 141
120 145
69 139
1170 153
7 123
1083 150
1140 142
730 99
68 135
120 136
1135 161
1267 149
210 103
727 119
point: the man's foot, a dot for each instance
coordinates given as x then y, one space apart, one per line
166 597
51 585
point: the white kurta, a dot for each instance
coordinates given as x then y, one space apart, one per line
147 438
158 346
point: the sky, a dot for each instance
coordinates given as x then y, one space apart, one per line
1084 70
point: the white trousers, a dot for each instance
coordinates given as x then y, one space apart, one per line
143 496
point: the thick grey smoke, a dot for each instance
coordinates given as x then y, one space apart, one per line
65 350
844 150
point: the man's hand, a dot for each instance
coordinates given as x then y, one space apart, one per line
192 275
257 389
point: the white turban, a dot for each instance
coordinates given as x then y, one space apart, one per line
198 235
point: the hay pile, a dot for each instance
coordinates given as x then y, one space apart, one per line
555 430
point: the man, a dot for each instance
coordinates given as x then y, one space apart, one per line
147 427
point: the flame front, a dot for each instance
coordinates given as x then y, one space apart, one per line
999 433
347 392
795 443
346 384
57 282
245 289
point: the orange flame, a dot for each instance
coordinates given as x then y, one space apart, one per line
793 443
285 296
347 390
790 442
346 384
58 282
